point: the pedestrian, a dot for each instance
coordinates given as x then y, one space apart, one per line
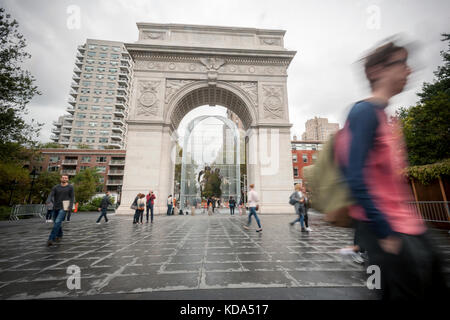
213 201
241 206
305 209
232 204
134 206
106 201
371 156
169 205
62 196
49 205
298 200
210 209
150 203
253 207
141 208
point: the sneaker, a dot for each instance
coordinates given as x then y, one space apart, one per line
358 258
49 243
291 224
97 223
346 251
246 228
107 221
308 229
259 230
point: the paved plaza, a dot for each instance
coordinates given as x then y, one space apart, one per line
183 257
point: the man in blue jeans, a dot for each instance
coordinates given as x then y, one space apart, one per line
62 196
253 203
106 201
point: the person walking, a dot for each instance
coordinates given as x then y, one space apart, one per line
305 209
140 208
134 206
150 203
49 205
371 155
62 196
210 209
232 205
169 205
241 206
106 201
298 200
253 207
213 201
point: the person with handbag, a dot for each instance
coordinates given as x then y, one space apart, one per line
297 200
62 196
253 207
140 208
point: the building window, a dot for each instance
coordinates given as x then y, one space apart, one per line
103 55
92 132
86 159
116 49
112 70
84 99
79 123
99 84
88 68
98 91
104 133
112 77
104 48
96 99
108 100
100 76
94 116
103 140
106 125
83 168
92 124
53 168
101 159
90 140
107 108
114 56
77 139
91 53
86 83
106 117
109 92
314 158
54 159
85 90
101 62
95 108
101 179
87 75
294 157
92 46
114 63
90 61
305 158
101 69
111 85
295 172
81 116
78 132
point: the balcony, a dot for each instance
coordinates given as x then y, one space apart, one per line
115 172
79 62
70 110
73 93
116 136
68 117
72 101
64 142
67 125
118 121
118 129
119 113
79 55
114 182
74 85
76 77
70 162
123 81
76 70
56 123
66 133
120 105
117 162
54 137
69 172
82 49
56 130
116 144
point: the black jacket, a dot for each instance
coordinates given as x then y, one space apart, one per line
105 202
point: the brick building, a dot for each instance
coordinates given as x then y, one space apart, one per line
304 153
110 163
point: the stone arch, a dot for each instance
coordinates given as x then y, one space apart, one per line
200 93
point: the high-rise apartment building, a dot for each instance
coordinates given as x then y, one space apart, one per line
318 129
98 98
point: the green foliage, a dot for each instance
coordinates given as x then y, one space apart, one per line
427 173
13 177
16 89
83 146
5 212
86 183
426 126
44 184
211 181
50 145
94 204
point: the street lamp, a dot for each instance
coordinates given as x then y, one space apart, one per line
34 174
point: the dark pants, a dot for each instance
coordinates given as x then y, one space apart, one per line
169 209
231 210
137 214
58 218
49 215
306 217
150 207
413 274
103 215
253 212
68 216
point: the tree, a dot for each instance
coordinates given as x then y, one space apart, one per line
50 145
85 184
16 90
44 184
426 126
15 181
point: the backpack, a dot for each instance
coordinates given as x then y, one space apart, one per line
292 201
330 193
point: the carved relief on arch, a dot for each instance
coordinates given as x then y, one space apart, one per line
173 86
250 89
147 101
273 102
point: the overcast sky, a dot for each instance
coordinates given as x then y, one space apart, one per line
328 35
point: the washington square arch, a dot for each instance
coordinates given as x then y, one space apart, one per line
180 67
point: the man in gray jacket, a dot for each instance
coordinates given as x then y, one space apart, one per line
104 207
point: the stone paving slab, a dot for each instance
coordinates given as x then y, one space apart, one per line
184 256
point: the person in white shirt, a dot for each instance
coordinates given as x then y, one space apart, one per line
169 205
253 203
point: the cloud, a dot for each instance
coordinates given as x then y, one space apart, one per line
329 36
